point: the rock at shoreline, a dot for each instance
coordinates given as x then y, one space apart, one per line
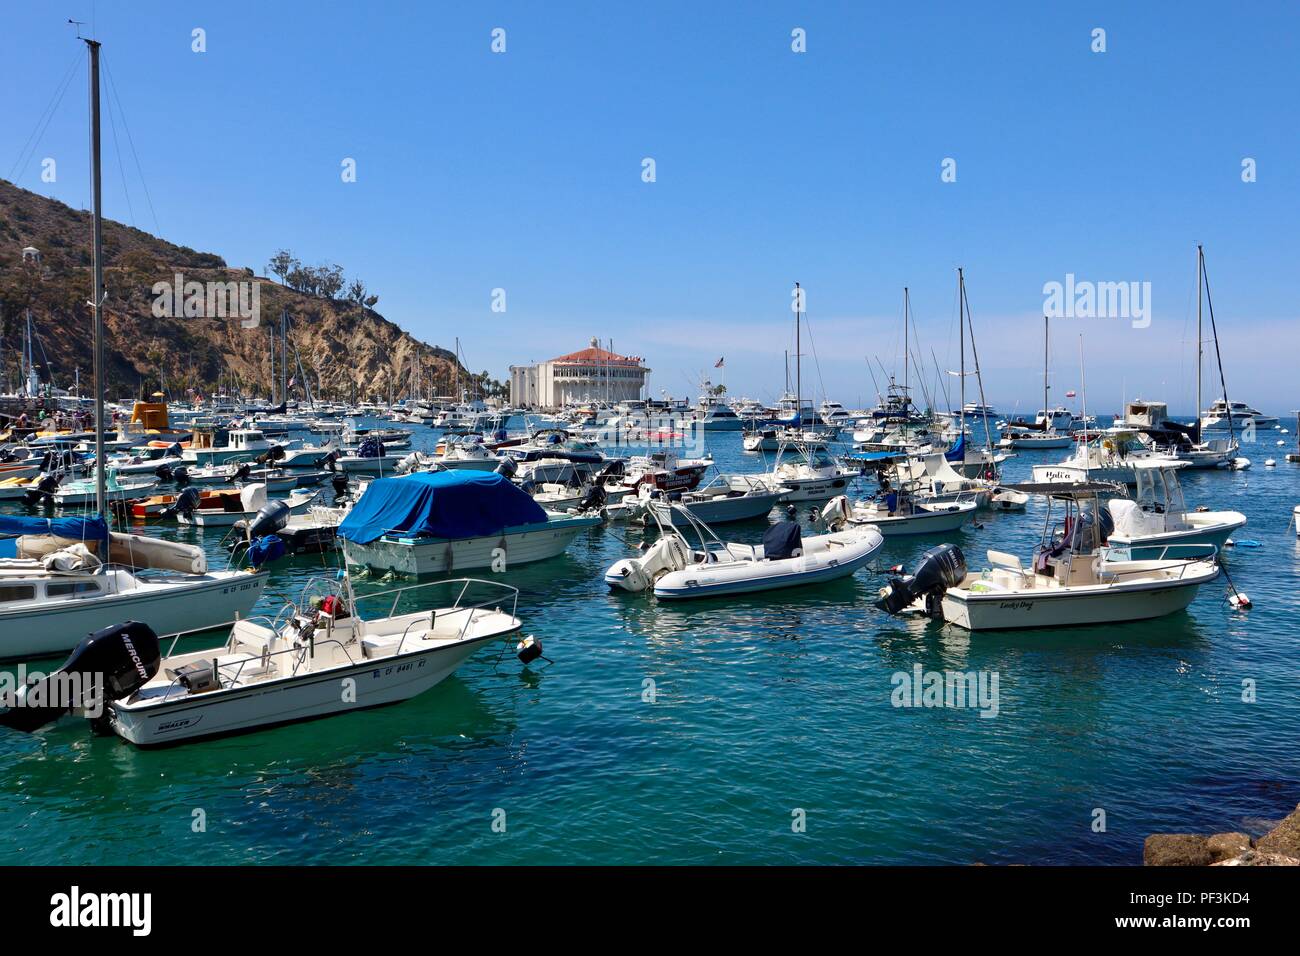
1280 847
1283 838
1176 849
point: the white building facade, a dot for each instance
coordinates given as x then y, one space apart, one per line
593 374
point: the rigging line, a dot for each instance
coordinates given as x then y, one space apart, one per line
816 361
1209 302
121 169
130 140
43 121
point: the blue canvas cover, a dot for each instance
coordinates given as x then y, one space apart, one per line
444 504
782 540
958 451
82 528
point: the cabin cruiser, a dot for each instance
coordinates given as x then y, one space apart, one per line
466 451
1072 579
1174 440
55 586
675 570
1239 414
901 512
270 672
974 409
82 491
713 414
432 522
810 474
834 414
1109 457
661 469
240 443
772 438
1034 436
1157 516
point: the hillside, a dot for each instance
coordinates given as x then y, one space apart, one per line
346 348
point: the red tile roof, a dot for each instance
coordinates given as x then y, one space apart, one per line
597 355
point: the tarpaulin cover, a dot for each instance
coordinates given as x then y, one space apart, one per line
87 528
444 504
782 540
266 549
958 451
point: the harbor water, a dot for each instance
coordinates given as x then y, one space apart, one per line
758 730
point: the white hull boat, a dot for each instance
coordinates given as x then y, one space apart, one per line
297 503
676 571
717 504
1157 518
913 516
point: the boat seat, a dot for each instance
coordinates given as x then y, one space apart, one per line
242 667
383 645
255 637
1005 561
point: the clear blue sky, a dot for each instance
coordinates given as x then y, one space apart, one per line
523 171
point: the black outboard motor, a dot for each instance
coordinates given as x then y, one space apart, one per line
271 518
125 656
42 491
340 485
164 472
242 472
594 499
184 504
507 467
331 459
939 569
181 475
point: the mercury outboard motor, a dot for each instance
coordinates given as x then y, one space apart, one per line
184 504
507 467
181 475
340 485
124 656
939 569
43 490
271 518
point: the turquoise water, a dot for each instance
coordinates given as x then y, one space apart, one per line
762 706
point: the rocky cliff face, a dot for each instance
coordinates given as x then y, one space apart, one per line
346 349
1279 847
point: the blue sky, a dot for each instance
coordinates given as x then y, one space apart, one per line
522 171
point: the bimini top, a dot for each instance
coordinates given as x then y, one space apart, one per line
444 504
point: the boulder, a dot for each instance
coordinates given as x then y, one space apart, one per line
1284 838
1176 849
1256 858
1227 846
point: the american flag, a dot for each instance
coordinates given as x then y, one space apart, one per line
718 363
1070 394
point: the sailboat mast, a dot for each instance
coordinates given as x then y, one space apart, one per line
97 295
1047 414
798 357
1200 282
907 310
961 333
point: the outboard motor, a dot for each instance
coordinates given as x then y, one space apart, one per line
269 519
340 485
939 569
242 472
164 472
42 492
125 656
181 475
594 499
331 460
507 467
184 504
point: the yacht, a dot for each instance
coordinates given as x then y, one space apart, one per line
714 415
834 414
1240 414
240 443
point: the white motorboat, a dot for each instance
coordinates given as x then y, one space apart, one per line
240 443
81 492
1237 414
468 452
813 476
935 479
905 514
1157 516
676 571
55 589
715 503
1072 578
1008 499
318 658
431 522
251 499
713 414
1110 458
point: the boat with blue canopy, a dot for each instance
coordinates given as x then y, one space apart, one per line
431 522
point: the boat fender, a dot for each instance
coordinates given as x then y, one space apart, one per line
1239 601
529 649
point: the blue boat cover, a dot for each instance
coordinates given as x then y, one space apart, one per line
85 528
782 540
958 451
443 504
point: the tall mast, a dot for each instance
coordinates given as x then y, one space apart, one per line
1047 413
798 356
1200 281
961 332
92 47
284 357
907 310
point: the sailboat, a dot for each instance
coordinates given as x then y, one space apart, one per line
66 577
972 462
1040 434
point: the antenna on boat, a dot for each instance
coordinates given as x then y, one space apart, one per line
1083 401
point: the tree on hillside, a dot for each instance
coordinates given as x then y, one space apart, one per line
329 280
282 263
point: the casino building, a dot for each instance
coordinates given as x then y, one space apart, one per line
593 374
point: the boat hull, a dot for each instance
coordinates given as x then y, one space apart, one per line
55 627
415 557
741 578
